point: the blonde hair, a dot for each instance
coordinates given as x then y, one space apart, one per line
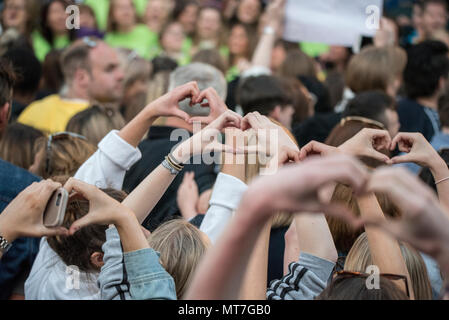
359 258
95 123
253 170
65 158
375 68
181 246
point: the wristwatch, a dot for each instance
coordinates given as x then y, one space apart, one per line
4 245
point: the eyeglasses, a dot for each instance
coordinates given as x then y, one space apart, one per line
54 137
363 120
392 277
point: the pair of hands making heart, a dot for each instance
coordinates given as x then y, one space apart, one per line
168 104
369 143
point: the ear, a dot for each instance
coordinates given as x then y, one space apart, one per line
96 259
276 113
442 83
82 77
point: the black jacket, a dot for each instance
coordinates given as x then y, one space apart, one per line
154 149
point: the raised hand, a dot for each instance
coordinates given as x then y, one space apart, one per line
265 129
168 104
208 139
297 188
314 148
102 208
424 223
368 143
23 217
417 149
214 102
188 196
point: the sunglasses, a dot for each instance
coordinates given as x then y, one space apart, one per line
392 277
58 136
364 120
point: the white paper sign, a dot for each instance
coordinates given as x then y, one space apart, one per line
334 22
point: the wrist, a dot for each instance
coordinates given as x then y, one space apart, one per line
7 230
439 169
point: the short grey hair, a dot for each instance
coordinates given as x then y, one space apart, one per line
206 76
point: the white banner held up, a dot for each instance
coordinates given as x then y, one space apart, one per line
334 22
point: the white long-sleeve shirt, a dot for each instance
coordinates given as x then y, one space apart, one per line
226 196
106 168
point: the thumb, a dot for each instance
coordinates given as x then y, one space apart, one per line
402 159
378 156
181 114
58 231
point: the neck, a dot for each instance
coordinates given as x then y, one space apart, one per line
76 93
430 102
445 130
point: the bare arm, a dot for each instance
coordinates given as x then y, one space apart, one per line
385 250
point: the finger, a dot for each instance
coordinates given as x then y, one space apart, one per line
311 148
81 223
58 231
378 156
406 158
181 114
382 140
85 189
47 188
401 138
204 120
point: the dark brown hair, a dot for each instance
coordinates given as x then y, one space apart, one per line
47 33
77 249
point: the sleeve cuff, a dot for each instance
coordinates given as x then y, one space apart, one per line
119 151
227 191
321 267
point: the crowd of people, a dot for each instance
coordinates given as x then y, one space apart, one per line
207 158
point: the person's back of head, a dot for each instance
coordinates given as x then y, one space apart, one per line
84 248
181 246
94 123
359 259
61 154
374 105
163 64
28 71
427 69
206 76
297 64
7 80
17 144
376 68
75 58
212 57
262 94
353 287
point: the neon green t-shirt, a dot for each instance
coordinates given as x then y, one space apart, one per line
42 47
101 10
314 49
141 39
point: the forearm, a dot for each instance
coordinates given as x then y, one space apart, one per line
255 281
314 236
440 171
385 250
148 193
130 232
220 275
134 131
262 54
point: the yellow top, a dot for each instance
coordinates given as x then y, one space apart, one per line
51 114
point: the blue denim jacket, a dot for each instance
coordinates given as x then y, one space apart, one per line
20 257
148 280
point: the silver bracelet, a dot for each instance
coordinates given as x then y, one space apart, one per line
442 180
174 171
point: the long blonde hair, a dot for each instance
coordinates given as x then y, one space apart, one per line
181 246
359 258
